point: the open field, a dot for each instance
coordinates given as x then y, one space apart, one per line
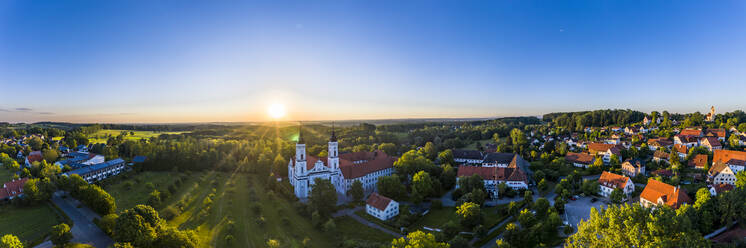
103 135
240 198
436 218
29 223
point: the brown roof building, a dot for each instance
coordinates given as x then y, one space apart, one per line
12 189
699 161
658 193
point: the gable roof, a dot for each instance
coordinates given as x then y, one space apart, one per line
358 164
96 167
378 201
727 155
596 147
12 188
718 168
612 180
498 158
691 132
660 142
511 173
671 196
686 138
635 162
719 132
711 141
35 156
467 154
680 148
661 154
698 161
581 158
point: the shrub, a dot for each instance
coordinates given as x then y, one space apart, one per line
170 213
261 221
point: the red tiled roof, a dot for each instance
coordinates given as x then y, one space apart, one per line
493 173
35 156
726 155
582 158
12 188
369 162
711 141
723 187
716 132
670 195
660 142
378 201
599 147
661 154
687 138
699 160
691 132
680 148
612 180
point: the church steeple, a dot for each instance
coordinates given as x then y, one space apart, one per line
300 134
333 138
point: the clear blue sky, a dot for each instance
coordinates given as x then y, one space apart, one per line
181 61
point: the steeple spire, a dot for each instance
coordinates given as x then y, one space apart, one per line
333 138
300 133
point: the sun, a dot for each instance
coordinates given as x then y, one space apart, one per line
276 110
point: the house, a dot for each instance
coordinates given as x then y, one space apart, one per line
631 130
98 172
699 161
34 156
736 160
513 175
616 129
688 141
497 159
19 155
660 155
711 143
658 193
608 182
80 159
614 139
718 133
579 159
605 150
646 120
721 173
633 167
381 207
719 188
467 156
654 144
682 150
691 132
12 189
662 173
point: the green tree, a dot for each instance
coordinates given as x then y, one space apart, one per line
469 214
356 191
541 206
418 239
617 196
422 186
391 186
323 197
741 179
528 198
542 186
10 241
448 177
429 151
61 235
412 162
446 157
518 139
589 187
280 166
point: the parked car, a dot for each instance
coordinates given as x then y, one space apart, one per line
594 199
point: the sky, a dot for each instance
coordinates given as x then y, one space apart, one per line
228 61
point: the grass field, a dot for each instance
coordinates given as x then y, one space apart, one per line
240 198
103 135
436 218
28 223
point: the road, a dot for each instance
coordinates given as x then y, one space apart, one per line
84 231
351 212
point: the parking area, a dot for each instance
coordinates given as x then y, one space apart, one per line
580 209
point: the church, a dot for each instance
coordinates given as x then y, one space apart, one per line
340 169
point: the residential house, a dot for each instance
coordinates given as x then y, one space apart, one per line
721 173
718 133
711 143
654 144
691 132
688 141
719 188
616 129
631 130
579 159
12 189
646 120
98 172
610 181
682 150
513 175
658 193
467 156
660 155
736 160
614 139
34 156
80 159
605 150
381 207
699 161
633 167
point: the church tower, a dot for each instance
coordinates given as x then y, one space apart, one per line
333 156
300 153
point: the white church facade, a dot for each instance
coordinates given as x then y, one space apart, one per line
340 169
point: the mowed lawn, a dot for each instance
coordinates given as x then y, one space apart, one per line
29 223
102 135
436 218
5 174
235 197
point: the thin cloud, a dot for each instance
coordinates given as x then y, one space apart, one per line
23 109
4 110
45 113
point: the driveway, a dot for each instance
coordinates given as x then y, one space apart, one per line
580 209
351 212
84 231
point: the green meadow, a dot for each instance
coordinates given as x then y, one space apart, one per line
103 135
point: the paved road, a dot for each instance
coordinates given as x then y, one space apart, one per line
351 212
84 231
